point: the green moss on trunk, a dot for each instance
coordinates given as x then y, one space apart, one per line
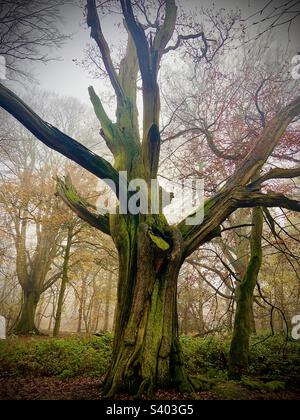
146 353
239 349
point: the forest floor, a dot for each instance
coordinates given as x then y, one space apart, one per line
90 389
72 368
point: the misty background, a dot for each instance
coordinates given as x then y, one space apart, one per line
67 77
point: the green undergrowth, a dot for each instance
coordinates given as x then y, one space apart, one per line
274 363
271 359
63 358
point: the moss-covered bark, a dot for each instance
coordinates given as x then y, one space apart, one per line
239 349
146 352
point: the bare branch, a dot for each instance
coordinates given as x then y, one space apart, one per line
166 31
234 193
277 173
265 145
55 139
97 34
138 34
246 198
67 192
188 38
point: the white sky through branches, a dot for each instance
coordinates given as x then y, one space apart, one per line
67 78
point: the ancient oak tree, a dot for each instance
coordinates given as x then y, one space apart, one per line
146 351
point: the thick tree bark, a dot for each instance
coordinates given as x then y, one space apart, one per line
26 323
146 352
239 349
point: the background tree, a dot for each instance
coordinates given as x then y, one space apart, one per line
261 89
37 220
27 30
33 261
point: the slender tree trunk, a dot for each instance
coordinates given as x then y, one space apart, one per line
252 320
97 318
79 325
297 306
230 310
107 302
50 323
88 318
184 322
59 307
239 350
46 307
81 305
199 314
146 352
53 306
64 282
40 311
26 323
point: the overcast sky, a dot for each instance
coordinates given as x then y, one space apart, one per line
67 78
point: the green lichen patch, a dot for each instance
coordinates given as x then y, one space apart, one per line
159 241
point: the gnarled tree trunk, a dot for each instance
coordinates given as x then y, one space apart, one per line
147 352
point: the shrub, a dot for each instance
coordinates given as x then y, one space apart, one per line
275 386
56 357
274 356
205 354
205 358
